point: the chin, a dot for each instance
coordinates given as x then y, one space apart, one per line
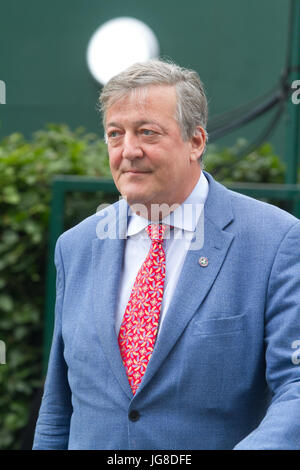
135 194
135 198
140 200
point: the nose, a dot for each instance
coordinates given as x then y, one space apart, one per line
131 147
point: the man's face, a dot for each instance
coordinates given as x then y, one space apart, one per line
149 160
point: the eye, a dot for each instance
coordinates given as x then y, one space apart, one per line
147 132
113 134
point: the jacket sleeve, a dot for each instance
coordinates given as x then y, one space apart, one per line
280 428
52 428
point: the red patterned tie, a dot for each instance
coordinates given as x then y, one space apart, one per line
140 322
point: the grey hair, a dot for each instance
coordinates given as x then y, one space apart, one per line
192 108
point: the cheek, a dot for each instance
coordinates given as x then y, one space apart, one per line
114 160
173 167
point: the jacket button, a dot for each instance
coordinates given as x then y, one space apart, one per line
134 415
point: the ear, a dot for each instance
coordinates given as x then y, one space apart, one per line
198 142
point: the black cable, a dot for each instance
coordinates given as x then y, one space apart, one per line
217 121
229 121
254 145
264 135
262 108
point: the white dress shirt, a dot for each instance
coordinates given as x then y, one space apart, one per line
176 244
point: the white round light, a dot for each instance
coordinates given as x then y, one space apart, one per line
117 44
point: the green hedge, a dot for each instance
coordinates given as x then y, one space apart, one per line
26 171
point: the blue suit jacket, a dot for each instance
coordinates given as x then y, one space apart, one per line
224 372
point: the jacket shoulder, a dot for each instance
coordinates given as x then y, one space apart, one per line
259 213
247 212
86 230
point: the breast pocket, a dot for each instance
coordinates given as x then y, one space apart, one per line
219 326
214 351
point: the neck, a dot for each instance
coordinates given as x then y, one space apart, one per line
156 211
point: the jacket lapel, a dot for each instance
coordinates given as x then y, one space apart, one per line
195 281
107 266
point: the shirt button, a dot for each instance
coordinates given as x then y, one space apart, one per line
134 415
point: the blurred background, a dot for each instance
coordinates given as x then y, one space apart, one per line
53 162
239 48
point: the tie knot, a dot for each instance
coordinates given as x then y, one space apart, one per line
156 232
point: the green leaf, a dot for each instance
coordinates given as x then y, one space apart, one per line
6 303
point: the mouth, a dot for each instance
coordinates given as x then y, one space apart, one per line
136 172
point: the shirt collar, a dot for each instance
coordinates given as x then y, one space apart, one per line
185 217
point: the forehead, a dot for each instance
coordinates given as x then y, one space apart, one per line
153 101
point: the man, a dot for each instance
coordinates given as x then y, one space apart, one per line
176 327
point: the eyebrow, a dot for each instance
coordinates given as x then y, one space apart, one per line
136 123
113 124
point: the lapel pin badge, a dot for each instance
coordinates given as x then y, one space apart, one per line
203 261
